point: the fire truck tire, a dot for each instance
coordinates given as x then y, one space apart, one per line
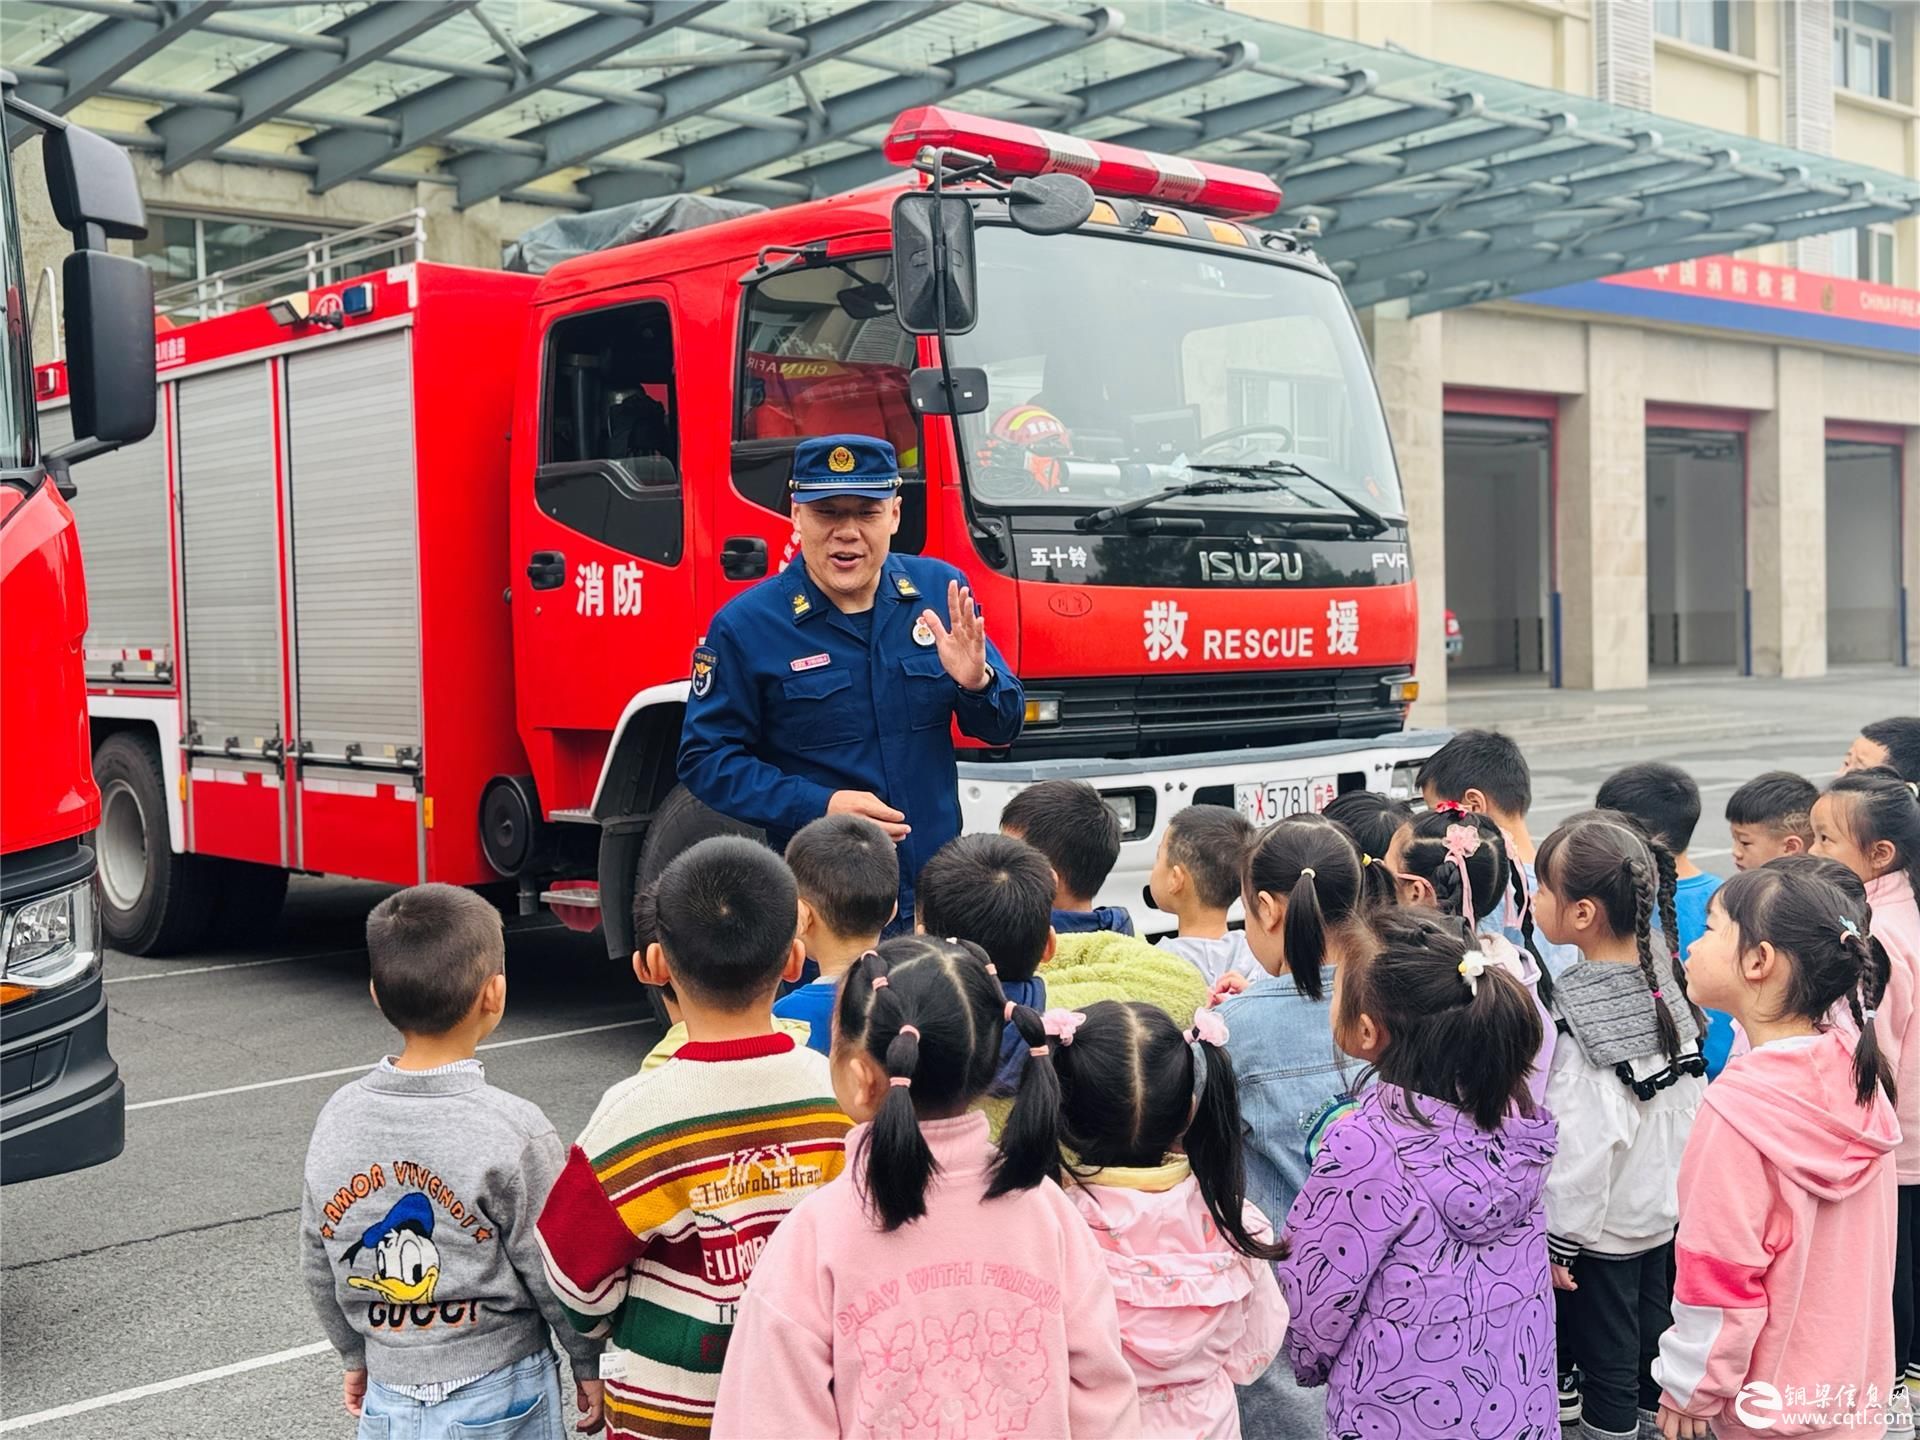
250 897
679 824
153 901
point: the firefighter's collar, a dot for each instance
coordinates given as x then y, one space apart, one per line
896 583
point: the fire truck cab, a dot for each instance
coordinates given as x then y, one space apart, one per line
408 587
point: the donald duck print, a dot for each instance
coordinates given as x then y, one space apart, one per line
406 1266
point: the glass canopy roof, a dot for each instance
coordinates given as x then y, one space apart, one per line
1431 183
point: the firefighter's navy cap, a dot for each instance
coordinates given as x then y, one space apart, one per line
831 465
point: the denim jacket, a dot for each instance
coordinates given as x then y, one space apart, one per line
1289 1070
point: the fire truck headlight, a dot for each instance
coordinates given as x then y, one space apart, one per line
52 941
1043 710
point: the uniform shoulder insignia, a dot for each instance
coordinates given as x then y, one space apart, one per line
905 586
705 661
801 605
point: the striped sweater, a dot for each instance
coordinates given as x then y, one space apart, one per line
674 1188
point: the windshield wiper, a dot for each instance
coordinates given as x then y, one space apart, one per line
1364 513
1205 485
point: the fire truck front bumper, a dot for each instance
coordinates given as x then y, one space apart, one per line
1263 784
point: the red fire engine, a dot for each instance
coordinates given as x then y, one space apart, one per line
62 1105
406 584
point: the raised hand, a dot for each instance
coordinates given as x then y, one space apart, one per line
963 648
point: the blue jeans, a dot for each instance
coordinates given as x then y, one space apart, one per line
520 1401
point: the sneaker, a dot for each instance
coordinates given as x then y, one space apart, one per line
1569 1397
1900 1410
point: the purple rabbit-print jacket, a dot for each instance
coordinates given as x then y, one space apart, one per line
1418 1280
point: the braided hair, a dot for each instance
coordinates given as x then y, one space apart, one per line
1603 857
1821 931
930 1013
1492 878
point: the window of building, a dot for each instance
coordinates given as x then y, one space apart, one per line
1698 22
608 431
184 249
1863 47
1865 254
822 354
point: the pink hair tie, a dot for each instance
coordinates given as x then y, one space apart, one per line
901 1081
1037 1051
880 982
913 1030
1007 1013
992 971
1062 1023
1658 996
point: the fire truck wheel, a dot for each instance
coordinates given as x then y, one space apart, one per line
249 900
152 900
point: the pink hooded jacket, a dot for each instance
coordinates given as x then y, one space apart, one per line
1196 1316
1784 1290
983 1317
1896 925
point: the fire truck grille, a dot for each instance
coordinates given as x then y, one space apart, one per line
1187 714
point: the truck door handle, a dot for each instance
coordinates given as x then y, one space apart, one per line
743 557
547 569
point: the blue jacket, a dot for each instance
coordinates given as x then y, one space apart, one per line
1281 1044
793 700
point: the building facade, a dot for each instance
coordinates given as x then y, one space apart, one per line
1617 480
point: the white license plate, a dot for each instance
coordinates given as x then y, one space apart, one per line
1264 801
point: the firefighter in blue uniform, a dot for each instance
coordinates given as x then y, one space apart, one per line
829 688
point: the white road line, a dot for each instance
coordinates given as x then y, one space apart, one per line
237 965
362 1069
161 1387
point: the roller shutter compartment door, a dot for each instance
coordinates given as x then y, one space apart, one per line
230 559
121 514
355 558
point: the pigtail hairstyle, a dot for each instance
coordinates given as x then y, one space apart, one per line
1881 806
1314 865
929 1013
1603 857
1372 819
1030 1143
1459 1029
1821 931
1129 1094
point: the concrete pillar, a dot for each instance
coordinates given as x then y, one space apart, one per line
1602 518
1406 361
1910 539
1787 522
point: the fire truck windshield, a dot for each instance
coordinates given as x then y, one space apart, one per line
1113 360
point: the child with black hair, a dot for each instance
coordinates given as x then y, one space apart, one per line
996 892
1373 819
1484 771
1626 1082
1068 822
1151 1115
1869 821
1787 1180
1418 1274
941 1286
374 1254
848 876
1890 744
1771 816
1196 879
1455 862
684 1171
1666 802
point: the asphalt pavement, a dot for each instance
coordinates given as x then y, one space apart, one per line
159 1295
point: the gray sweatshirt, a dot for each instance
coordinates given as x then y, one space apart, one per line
417 1227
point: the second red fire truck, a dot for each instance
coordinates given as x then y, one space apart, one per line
405 584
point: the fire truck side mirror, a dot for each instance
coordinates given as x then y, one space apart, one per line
91 183
109 322
1049 204
932 262
927 389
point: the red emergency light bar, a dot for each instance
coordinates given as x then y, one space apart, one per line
1223 190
